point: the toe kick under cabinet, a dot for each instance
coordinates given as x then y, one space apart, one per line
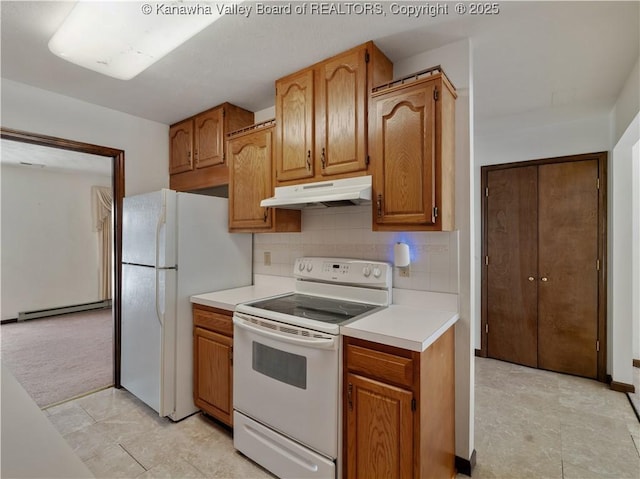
213 362
399 410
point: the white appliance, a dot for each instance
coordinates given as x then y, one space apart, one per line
287 365
340 192
174 245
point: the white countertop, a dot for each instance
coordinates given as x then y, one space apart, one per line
263 287
414 321
31 446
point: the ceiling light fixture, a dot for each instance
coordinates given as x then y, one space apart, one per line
123 38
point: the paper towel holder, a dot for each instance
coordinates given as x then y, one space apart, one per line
401 256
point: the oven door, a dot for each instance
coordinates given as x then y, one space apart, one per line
286 378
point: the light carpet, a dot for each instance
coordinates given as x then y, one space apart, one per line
61 357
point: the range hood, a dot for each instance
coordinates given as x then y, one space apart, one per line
342 192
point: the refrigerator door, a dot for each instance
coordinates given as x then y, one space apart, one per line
149 335
209 259
149 229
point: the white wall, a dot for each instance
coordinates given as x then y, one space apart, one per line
628 103
145 142
635 256
49 255
440 260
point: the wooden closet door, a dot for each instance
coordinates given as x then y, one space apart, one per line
568 276
512 248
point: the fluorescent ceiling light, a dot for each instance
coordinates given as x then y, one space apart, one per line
122 38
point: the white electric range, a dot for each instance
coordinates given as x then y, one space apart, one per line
287 364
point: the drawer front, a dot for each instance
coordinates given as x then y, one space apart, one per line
213 321
379 365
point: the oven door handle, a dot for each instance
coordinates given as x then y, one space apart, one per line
317 343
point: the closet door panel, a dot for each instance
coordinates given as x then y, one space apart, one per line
568 276
512 218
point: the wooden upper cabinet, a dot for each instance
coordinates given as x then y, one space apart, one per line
294 126
322 116
180 147
341 113
251 174
412 148
197 147
209 138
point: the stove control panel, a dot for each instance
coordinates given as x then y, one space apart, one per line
344 271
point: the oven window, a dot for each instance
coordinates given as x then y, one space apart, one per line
286 367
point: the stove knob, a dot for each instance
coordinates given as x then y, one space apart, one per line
377 272
366 271
309 267
301 266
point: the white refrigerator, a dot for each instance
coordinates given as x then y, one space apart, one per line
174 245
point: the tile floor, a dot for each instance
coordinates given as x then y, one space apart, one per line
529 424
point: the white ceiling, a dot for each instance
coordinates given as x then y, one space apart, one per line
541 58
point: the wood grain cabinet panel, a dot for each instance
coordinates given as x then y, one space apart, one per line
380 425
197 156
399 419
213 362
412 149
251 172
294 127
180 147
322 116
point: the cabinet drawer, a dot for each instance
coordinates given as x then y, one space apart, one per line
380 365
211 320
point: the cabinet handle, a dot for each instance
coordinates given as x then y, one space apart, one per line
379 205
265 215
350 396
309 160
322 159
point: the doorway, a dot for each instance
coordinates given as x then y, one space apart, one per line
544 271
117 158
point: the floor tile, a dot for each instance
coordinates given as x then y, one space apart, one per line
69 417
114 462
174 469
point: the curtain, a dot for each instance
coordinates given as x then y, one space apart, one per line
103 205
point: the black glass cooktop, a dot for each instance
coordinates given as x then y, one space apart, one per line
328 310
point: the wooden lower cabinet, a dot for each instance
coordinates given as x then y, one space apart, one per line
399 410
213 362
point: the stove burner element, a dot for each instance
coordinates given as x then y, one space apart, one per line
327 310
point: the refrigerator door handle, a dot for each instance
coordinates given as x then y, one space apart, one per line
161 221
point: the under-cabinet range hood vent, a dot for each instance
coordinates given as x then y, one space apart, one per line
343 192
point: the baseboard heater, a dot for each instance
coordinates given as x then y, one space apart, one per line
43 313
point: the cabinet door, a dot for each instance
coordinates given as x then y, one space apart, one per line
209 138
180 145
341 114
213 373
294 127
405 179
250 180
379 430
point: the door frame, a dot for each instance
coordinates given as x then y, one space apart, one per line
601 158
117 157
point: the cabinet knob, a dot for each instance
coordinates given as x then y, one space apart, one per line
544 279
531 278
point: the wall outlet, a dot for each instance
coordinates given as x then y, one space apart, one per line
267 258
404 272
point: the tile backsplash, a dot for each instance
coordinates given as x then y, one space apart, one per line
345 232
